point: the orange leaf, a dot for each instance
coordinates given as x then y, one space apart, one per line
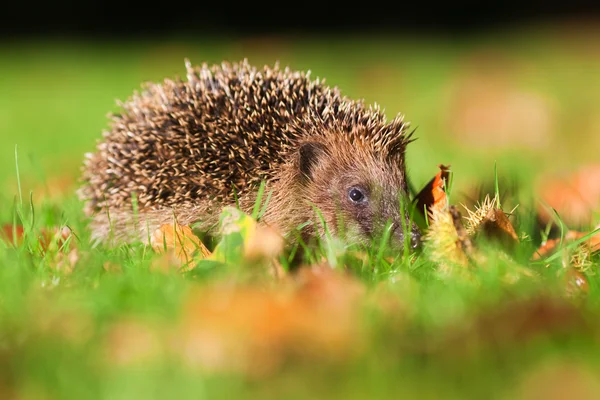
54 235
7 233
550 245
433 195
178 238
46 237
575 197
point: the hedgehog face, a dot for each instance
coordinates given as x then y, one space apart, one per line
359 192
368 202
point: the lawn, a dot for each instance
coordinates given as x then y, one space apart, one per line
519 110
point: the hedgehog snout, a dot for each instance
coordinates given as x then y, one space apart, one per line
414 235
415 238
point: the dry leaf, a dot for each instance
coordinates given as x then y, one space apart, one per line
12 234
55 238
47 236
575 197
433 195
550 245
178 239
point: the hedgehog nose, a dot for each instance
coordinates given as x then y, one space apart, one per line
415 239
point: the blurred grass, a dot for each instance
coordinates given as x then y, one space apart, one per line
56 327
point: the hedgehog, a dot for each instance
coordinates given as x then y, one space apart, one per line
185 149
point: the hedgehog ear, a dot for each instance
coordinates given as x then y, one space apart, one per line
309 155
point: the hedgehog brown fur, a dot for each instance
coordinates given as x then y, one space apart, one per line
187 148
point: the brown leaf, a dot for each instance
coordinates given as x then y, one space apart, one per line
54 237
47 236
178 240
575 197
551 245
11 232
433 195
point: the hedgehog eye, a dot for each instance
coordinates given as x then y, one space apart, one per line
356 195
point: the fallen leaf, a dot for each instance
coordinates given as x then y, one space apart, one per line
54 238
180 240
433 195
575 197
551 245
46 236
12 234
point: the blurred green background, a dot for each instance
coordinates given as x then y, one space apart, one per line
528 98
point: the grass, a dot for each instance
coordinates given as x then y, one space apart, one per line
121 324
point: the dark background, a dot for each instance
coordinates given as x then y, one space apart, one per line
122 18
